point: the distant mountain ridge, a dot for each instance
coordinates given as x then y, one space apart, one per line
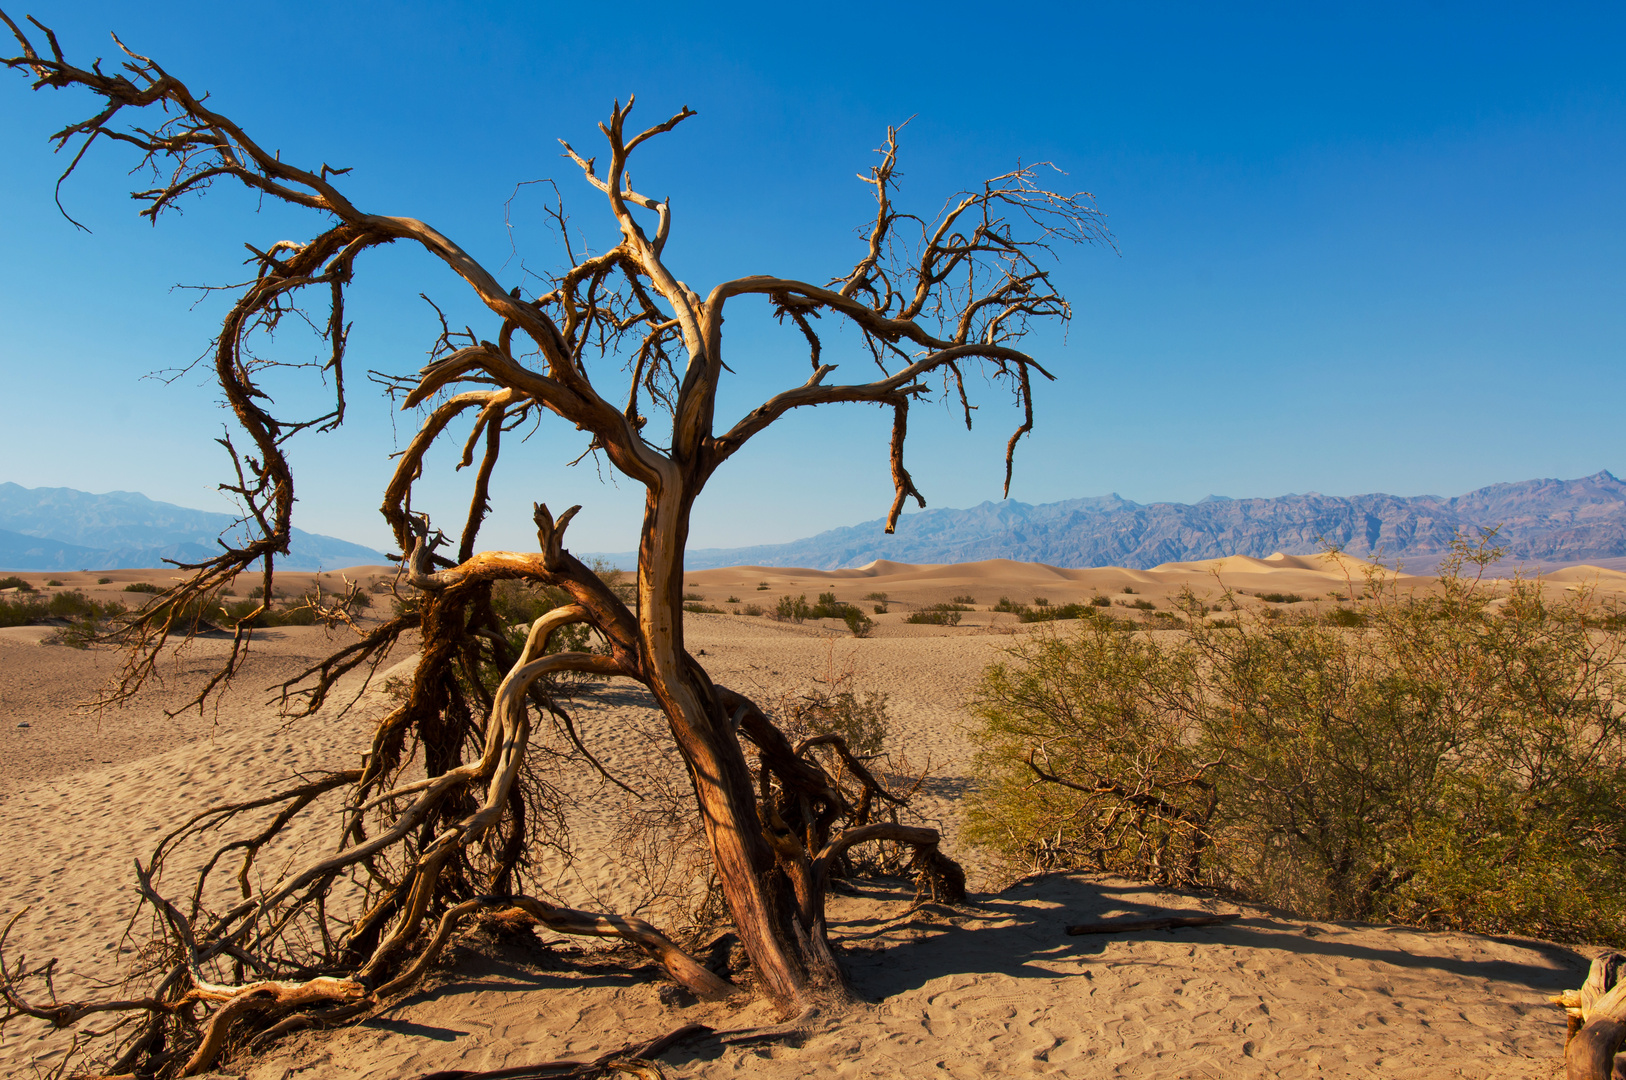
65 529
1541 520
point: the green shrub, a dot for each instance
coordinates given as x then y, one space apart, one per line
693 596
937 615
792 607
762 586
1281 598
1101 601
1142 605
732 600
751 609
81 618
880 609
1343 616
702 609
881 596
1008 605
15 582
104 581
54 583
1129 591
971 600
1449 764
859 623
1058 612
142 587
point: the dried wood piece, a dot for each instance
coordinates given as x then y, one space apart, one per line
1597 1015
1167 922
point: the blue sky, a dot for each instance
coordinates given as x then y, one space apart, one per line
1373 248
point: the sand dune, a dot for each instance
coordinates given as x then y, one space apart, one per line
990 989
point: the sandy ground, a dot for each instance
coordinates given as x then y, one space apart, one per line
993 988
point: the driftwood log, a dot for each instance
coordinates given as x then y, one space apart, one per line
1131 926
1597 1020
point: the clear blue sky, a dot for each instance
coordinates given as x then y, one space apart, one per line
1360 248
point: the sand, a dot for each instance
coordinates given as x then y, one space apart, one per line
992 988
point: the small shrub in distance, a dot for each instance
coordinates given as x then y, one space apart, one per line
702 609
732 600
1101 601
1129 591
1281 598
1143 605
693 596
762 586
1006 604
15 582
751 609
795 608
1343 616
859 623
54 583
937 615
963 600
142 587
104 581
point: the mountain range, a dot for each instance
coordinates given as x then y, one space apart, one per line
1542 522
64 529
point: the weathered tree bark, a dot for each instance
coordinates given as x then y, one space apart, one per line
1597 1015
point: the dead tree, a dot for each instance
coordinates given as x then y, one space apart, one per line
932 300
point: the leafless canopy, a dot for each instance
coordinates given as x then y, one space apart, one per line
933 301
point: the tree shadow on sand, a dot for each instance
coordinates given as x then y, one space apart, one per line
1021 933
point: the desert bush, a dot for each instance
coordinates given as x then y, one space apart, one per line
15 582
143 587
54 583
104 581
732 600
1281 598
859 623
968 600
752 609
1447 764
80 618
1006 604
1129 591
1142 605
938 615
1343 616
693 597
1101 601
1055 612
762 586
702 609
793 607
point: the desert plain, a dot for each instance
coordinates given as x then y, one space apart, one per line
991 988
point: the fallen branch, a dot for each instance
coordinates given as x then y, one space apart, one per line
1168 922
1597 1020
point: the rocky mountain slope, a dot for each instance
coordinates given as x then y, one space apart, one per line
1541 520
64 529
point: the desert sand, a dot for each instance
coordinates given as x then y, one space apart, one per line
991 988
